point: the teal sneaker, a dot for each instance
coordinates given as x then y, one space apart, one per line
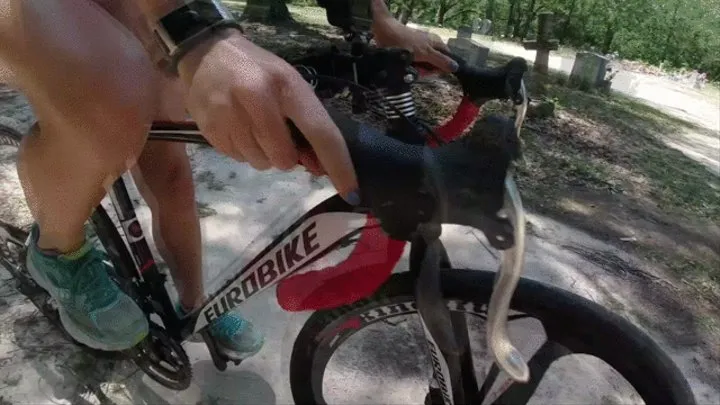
93 309
237 337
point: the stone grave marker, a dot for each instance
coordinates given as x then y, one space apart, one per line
464 32
485 27
543 44
589 69
470 50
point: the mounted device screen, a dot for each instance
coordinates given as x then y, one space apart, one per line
350 15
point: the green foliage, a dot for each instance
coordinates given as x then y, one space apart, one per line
674 33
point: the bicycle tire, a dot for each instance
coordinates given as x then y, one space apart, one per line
570 320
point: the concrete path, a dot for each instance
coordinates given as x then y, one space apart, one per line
39 367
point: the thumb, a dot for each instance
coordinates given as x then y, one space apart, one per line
439 60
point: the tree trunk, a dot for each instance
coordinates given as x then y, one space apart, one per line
442 11
609 36
267 11
516 23
529 17
671 31
405 16
568 20
490 9
406 12
511 18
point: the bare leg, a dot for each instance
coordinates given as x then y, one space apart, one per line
92 87
93 108
165 180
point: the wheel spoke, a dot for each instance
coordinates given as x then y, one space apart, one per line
489 382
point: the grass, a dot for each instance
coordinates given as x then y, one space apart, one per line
612 147
619 146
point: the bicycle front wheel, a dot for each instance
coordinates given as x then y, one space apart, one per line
590 354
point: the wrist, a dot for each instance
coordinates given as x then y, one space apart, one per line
190 60
381 17
186 27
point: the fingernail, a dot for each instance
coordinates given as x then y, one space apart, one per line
353 198
454 66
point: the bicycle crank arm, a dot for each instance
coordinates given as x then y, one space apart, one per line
508 358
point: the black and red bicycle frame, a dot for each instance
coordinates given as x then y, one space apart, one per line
324 228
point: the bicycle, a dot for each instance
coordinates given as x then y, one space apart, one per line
408 191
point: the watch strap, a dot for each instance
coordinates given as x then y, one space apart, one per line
183 28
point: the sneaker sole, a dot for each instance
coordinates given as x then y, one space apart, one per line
81 336
240 356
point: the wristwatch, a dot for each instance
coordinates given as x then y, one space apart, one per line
183 28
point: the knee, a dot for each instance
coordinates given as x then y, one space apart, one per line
166 176
120 118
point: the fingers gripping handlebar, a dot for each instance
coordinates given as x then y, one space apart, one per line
406 185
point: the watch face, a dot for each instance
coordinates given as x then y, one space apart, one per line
192 18
362 16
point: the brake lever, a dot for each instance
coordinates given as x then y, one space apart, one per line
508 358
521 106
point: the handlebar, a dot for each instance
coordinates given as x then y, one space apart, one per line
466 182
405 185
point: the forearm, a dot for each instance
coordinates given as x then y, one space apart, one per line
380 15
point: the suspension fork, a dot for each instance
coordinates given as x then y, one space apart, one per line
445 332
146 273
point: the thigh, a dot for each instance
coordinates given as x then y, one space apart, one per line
88 78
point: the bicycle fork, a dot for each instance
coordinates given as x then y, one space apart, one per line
445 332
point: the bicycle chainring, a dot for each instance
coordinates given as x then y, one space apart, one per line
163 359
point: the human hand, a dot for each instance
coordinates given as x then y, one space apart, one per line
240 95
425 46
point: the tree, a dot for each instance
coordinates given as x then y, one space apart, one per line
462 11
674 32
267 11
510 26
406 9
490 9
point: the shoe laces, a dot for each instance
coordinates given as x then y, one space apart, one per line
228 326
92 283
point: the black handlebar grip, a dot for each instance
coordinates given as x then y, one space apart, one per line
480 83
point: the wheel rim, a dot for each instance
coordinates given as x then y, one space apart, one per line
369 371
